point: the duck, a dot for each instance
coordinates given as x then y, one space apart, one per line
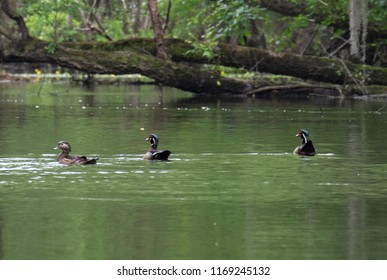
306 147
65 158
153 153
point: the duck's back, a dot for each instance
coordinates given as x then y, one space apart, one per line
306 149
80 160
162 155
157 155
85 160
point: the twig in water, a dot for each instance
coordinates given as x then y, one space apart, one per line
42 83
381 108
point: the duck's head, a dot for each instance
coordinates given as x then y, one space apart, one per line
303 134
64 146
153 140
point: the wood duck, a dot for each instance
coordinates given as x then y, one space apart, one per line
65 158
306 147
153 153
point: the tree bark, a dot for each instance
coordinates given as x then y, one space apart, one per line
99 61
358 21
133 57
25 34
157 29
319 69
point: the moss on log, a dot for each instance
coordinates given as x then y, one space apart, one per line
319 69
137 56
96 60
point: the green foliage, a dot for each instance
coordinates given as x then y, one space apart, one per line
294 24
52 19
333 10
186 18
203 22
52 47
231 19
204 49
378 12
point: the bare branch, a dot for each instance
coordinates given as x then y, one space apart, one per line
167 17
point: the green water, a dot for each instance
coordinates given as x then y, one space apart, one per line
232 189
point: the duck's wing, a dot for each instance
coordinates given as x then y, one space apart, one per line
85 160
91 161
308 149
297 150
161 155
148 155
67 161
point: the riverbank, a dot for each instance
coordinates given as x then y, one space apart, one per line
271 85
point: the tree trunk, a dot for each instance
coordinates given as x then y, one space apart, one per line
132 57
358 19
137 18
99 61
319 69
25 34
157 29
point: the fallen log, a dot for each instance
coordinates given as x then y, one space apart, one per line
319 69
95 61
138 57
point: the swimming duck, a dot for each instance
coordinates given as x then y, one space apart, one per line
65 158
153 153
306 148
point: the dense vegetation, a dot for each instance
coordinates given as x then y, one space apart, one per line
346 30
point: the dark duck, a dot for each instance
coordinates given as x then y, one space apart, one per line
153 153
65 158
306 147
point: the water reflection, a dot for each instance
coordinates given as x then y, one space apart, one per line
356 226
232 190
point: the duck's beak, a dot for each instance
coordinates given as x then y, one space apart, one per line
147 139
298 134
56 148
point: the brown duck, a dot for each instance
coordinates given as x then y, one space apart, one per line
153 153
65 158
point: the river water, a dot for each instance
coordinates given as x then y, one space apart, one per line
231 190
